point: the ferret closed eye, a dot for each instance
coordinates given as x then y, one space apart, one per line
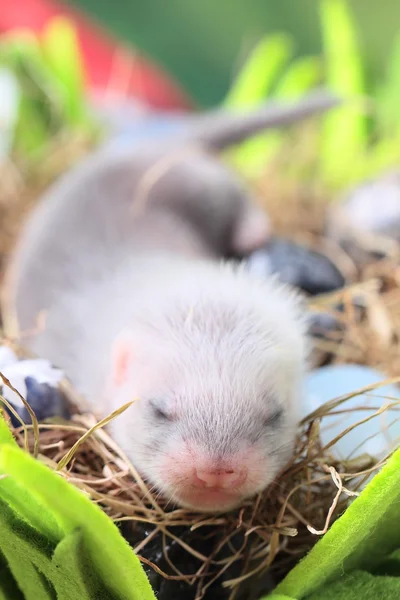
274 418
160 412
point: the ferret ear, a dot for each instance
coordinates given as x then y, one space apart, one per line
122 353
252 230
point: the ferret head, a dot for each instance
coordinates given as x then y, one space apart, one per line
218 379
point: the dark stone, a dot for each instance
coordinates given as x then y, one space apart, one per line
366 221
328 326
321 325
298 266
46 402
372 207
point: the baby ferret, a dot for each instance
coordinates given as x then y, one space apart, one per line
123 255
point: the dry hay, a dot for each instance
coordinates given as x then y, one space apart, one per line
279 526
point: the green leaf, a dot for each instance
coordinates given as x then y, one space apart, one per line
344 134
41 107
27 553
367 532
388 97
29 508
110 553
61 51
257 77
360 586
6 437
253 155
384 154
389 566
8 587
74 565
302 75
19 498
42 570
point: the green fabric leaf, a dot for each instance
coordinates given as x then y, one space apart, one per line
28 507
8 587
25 549
360 586
111 554
74 564
6 436
368 531
21 501
389 566
39 574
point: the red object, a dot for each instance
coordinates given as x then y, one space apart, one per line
109 66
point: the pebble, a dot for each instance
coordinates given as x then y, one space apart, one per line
9 106
329 326
321 325
369 210
37 381
296 265
377 436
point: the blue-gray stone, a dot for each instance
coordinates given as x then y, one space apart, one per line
375 437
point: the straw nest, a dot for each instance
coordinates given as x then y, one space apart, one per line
272 531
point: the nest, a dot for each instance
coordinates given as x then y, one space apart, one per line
244 553
256 545
268 534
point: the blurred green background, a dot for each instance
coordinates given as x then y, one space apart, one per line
202 43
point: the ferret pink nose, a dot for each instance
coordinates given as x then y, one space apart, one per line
220 478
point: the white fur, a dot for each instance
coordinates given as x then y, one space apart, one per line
222 347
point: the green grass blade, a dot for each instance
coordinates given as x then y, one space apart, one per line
344 135
61 51
384 154
302 75
252 156
388 98
41 110
258 75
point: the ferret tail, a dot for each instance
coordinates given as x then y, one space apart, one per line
220 128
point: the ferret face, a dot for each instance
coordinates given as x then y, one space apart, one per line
216 413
